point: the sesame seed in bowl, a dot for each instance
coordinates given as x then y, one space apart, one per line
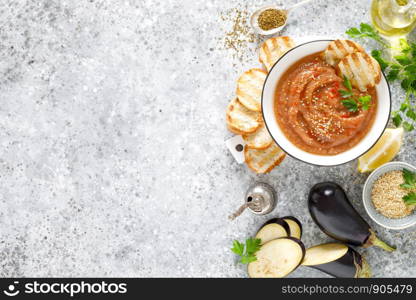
389 195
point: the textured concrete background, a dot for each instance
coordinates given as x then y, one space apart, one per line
112 157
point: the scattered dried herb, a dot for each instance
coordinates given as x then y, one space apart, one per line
271 18
239 36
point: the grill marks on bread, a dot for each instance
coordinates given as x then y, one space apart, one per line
241 120
272 49
263 161
250 87
361 69
260 139
339 49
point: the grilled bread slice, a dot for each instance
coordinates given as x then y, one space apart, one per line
272 49
249 88
241 120
361 69
263 161
338 49
260 139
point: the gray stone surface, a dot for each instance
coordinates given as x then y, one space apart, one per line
112 157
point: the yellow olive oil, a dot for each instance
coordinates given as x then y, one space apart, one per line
394 17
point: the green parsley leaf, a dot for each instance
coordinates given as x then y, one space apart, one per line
407 126
393 75
395 66
367 31
350 105
404 106
350 101
238 248
404 46
410 198
401 67
367 28
409 178
353 32
411 68
406 84
397 119
247 259
413 49
247 251
384 64
347 83
252 246
403 59
365 102
411 114
345 94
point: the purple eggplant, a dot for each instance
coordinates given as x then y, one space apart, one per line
333 213
338 260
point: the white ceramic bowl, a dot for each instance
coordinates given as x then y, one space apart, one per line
268 103
395 224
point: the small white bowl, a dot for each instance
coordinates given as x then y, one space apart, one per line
268 104
395 224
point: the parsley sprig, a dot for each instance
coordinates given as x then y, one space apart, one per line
409 178
401 67
246 252
351 102
366 31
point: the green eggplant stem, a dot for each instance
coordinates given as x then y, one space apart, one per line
373 240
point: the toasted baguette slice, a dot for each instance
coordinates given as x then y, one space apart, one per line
249 88
260 139
272 49
361 69
338 49
263 161
241 120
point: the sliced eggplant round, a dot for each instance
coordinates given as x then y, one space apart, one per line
273 229
324 253
277 258
295 226
334 214
338 260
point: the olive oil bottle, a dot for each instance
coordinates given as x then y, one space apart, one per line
394 17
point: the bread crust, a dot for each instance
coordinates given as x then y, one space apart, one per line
250 87
260 139
339 49
249 121
272 49
361 69
274 161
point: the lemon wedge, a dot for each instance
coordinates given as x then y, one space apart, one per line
383 151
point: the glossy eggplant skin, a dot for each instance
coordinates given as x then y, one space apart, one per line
333 213
348 266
